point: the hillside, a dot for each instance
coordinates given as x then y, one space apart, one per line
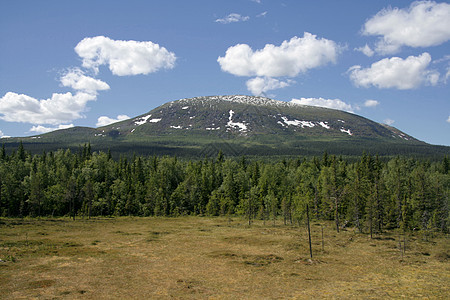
238 125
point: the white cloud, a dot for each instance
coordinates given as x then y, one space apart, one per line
321 102
257 1
233 18
389 122
366 50
446 58
259 85
292 57
3 136
448 120
42 129
396 73
422 24
124 57
371 103
104 120
76 79
263 14
441 61
60 108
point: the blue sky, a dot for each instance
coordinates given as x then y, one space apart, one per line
87 63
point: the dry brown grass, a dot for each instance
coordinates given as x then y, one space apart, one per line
194 257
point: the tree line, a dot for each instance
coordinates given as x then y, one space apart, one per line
369 193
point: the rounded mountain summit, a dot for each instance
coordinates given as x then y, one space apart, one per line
240 125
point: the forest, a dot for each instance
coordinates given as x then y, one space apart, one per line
369 193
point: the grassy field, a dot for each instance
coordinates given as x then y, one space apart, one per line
217 258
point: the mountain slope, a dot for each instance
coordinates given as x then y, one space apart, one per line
241 125
247 116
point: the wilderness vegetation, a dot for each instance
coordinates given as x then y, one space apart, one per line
368 193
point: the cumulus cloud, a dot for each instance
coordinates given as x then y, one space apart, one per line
260 85
76 79
396 73
371 103
124 57
42 129
321 102
448 120
104 120
422 24
233 18
60 108
292 57
366 50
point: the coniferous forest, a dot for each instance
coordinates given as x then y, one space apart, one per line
368 193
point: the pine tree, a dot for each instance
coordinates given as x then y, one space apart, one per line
446 165
36 192
3 153
21 152
220 157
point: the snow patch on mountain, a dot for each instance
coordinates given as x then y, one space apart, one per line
231 125
347 131
324 125
142 120
303 123
403 136
154 120
253 100
282 124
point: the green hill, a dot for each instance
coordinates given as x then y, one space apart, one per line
238 125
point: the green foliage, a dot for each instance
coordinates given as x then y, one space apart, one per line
367 193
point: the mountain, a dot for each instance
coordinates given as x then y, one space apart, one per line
239 125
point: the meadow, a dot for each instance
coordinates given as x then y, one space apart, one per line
214 258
